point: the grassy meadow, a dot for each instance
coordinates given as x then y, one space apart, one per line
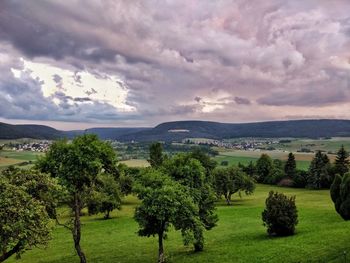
9 157
321 236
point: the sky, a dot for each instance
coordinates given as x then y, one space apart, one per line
92 63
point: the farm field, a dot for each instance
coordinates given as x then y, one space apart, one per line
16 157
136 162
321 236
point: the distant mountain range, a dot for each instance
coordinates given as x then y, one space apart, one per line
178 130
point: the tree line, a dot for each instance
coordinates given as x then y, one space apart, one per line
320 174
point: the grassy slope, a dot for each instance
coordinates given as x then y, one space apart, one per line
239 237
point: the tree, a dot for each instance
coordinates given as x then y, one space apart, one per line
290 168
263 167
280 215
77 165
106 196
319 176
190 173
38 185
164 203
342 162
228 181
156 157
340 194
24 220
205 160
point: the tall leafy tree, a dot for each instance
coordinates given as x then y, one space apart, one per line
340 194
190 173
24 220
231 180
156 156
208 163
290 168
77 165
319 176
341 164
164 203
264 167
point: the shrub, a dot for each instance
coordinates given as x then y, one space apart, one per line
340 194
224 163
286 182
280 215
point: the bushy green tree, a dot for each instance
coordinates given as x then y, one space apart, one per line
156 156
319 175
275 176
264 167
208 163
280 215
190 173
164 203
300 179
231 180
40 186
340 194
105 197
77 165
341 164
24 222
290 168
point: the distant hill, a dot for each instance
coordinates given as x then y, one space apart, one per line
8 131
109 133
178 130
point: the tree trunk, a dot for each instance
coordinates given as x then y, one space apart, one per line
5 255
228 199
107 214
161 256
77 228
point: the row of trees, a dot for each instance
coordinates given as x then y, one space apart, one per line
320 174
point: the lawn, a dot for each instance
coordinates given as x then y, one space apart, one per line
321 236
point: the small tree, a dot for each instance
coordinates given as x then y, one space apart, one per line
156 157
341 165
228 181
340 194
106 196
280 215
164 203
77 165
263 167
290 168
24 220
319 176
190 173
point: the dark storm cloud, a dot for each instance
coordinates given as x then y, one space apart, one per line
240 100
168 53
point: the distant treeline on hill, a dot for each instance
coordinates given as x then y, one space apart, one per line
179 130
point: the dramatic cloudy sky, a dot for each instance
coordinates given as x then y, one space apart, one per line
82 63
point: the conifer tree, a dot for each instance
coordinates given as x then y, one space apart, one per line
342 161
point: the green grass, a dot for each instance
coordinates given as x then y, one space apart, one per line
321 236
234 160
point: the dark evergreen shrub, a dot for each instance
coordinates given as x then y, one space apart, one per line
340 194
280 215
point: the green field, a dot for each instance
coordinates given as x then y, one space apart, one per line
17 157
244 157
136 163
321 236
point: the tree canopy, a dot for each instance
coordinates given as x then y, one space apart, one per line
77 166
